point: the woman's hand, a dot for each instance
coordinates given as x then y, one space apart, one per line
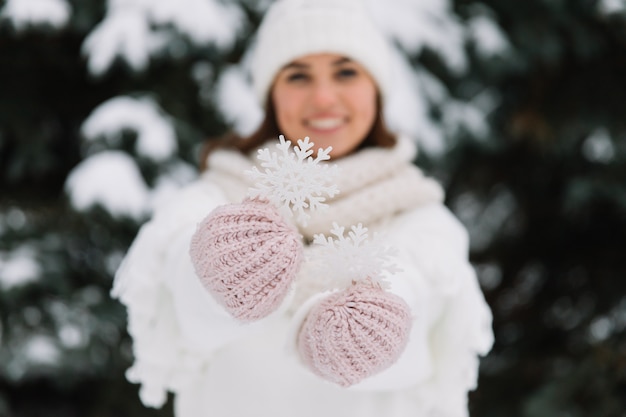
246 256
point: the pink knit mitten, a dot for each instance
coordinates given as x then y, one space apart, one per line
246 256
354 333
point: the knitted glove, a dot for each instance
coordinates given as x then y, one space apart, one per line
246 256
354 333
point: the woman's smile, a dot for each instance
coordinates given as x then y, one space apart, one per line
325 124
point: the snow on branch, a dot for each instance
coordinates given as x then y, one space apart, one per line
23 14
112 180
156 137
135 30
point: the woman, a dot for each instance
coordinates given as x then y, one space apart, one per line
320 69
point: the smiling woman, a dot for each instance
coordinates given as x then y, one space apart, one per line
327 97
238 289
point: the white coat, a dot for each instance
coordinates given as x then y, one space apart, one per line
185 343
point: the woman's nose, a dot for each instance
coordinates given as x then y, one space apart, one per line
324 94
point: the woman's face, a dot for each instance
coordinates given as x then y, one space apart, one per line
327 97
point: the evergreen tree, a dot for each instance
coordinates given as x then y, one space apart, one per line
550 183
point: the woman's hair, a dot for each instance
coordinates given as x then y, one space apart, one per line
378 136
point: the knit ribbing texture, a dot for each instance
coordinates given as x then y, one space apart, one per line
246 255
292 29
355 333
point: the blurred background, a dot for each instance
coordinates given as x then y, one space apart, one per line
519 110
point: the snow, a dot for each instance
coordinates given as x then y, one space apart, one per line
41 350
598 147
600 329
487 37
110 179
416 24
419 24
237 102
459 115
431 87
18 268
407 108
23 14
156 138
134 30
606 325
125 35
204 21
72 336
15 218
607 7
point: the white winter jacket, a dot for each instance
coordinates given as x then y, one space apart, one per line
185 343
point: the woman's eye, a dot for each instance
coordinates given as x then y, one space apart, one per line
347 73
297 76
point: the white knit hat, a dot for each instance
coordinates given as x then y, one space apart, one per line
294 28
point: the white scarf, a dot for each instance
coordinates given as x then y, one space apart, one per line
375 184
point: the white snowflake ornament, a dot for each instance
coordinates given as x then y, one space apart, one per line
293 180
346 260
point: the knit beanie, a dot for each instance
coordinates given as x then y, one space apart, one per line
294 28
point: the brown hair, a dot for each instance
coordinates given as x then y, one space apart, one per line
379 135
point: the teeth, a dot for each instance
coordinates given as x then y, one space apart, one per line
326 123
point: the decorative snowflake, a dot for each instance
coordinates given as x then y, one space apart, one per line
342 261
293 180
